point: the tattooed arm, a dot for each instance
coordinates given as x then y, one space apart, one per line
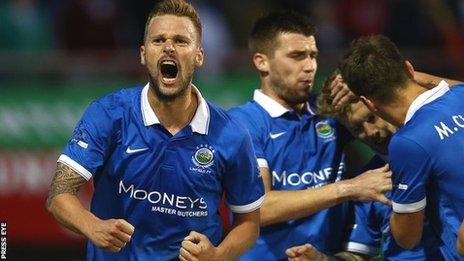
62 199
63 203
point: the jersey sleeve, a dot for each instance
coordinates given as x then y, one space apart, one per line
89 144
242 182
252 126
411 167
365 235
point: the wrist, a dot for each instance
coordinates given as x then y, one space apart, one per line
221 253
345 190
88 224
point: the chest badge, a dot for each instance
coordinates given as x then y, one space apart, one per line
324 130
203 156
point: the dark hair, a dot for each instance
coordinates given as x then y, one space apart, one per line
263 36
177 8
373 67
324 100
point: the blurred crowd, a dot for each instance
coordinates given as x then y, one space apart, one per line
105 26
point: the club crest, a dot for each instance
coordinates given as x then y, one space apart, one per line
324 130
203 156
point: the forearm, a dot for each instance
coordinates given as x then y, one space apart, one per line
69 212
63 202
281 206
240 238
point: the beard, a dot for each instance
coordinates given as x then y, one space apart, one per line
288 94
168 97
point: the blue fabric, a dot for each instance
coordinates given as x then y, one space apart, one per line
303 152
164 185
372 222
426 157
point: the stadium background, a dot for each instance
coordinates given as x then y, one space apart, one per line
56 56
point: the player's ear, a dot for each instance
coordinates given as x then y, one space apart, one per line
409 69
261 62
142 55
369 103
199 58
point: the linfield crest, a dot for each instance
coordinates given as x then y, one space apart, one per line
203 156
324 130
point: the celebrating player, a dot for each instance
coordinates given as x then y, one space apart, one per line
160 157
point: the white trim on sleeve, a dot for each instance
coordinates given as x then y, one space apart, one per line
75 166
361 248
247 208
262 163
409 208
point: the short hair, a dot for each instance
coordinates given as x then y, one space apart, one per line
262 38
325 99
373 66
177 8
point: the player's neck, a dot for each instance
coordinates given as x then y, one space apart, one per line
396 110
175 114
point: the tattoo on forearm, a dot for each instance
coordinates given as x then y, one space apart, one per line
65 180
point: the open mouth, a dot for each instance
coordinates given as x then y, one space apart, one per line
169 70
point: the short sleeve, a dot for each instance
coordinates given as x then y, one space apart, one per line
365 235
411 167
89 144
251 125
242 181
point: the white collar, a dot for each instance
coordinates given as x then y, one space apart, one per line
272 107
425 98
200 120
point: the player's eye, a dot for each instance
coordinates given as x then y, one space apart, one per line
158 40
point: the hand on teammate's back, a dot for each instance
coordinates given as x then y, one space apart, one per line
111 234
340 93
371 185
197 246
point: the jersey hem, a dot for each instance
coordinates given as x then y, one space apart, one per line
247 208
75 166
361 248
409 208
262 163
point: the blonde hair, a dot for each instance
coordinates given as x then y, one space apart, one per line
177 8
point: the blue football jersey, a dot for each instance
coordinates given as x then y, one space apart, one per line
301 152
372 223
426 156
164 185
